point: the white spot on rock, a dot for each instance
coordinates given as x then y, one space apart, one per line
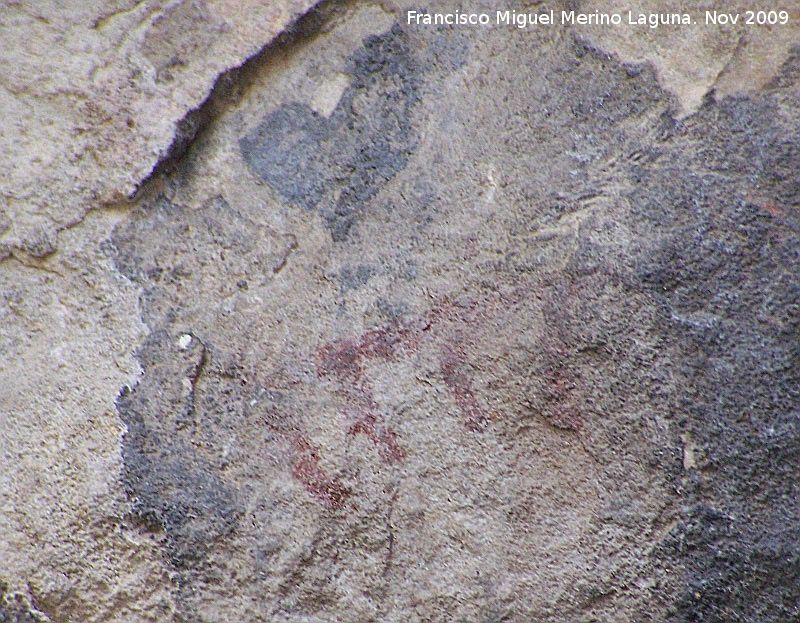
689 457
328 94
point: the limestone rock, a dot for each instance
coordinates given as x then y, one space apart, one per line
429 324
738 53
92 95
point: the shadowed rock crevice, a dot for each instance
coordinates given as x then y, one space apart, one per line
228 86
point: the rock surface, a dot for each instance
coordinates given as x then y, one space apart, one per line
92 95
428 324
692 63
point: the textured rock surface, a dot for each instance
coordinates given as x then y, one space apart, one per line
428 325
730 59
92 95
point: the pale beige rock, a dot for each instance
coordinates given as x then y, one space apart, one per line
91 93
693 60
66 329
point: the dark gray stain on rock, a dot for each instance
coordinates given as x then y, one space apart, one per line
713 242
353 277
336 165
722 196
173 488
177 255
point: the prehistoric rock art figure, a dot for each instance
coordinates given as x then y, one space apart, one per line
458 334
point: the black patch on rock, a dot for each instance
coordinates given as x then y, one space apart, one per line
172 447
173 488
336 165
724 262
736 571
712 238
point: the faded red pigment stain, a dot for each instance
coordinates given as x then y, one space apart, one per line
304 459
560 406
344 359
384 438
307 470
452 328
452 363
560 401
449 326
450 322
